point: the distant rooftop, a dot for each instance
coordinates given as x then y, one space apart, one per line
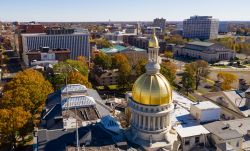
114 49
119 48
200 43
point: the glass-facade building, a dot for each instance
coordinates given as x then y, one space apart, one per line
201 27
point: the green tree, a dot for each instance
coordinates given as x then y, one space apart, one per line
188 82
118 59
124 75
197 69
78 78
168 54
140 67
62 70
175 39
103 60
79 66
102 43
168 69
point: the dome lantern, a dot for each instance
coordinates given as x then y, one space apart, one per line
152 88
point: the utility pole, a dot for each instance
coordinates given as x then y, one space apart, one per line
77 135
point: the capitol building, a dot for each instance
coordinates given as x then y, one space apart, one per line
151 105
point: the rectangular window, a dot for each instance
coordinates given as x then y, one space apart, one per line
187 142
197 139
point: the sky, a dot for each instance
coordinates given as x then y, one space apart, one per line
121 10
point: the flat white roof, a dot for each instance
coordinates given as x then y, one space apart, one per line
192 131
44 34
78 101
73 88
204 105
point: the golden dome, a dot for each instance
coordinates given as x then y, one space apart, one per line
152 90
153 41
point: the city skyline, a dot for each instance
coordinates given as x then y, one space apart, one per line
117 10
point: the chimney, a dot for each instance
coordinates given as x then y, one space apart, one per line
217 86
248 133
243 85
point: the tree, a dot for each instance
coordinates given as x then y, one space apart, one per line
62 70
168 54
118 59
168 69
11 122
140 67
78 65
78 78
176 39
227 80
102 43
18 97
35 88
103 60
124 75
197 69
82 59
188 82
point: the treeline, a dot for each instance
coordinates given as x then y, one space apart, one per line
128 72
229 42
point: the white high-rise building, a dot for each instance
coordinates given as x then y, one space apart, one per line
202 27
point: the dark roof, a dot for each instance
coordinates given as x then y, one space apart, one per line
53 99
58 140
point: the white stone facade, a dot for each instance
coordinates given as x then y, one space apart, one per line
150 125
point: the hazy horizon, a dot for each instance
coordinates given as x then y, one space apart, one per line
121 11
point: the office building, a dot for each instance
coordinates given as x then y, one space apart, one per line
223 27
150 30
77 43
160 22
201 27
207 51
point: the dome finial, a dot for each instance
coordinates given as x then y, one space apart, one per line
153 41
153 65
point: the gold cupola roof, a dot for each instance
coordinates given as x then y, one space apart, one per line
153 41
152 88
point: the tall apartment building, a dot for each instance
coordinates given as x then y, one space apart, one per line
77 42
160 22
202 27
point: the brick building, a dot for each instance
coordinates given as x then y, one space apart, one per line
47 55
